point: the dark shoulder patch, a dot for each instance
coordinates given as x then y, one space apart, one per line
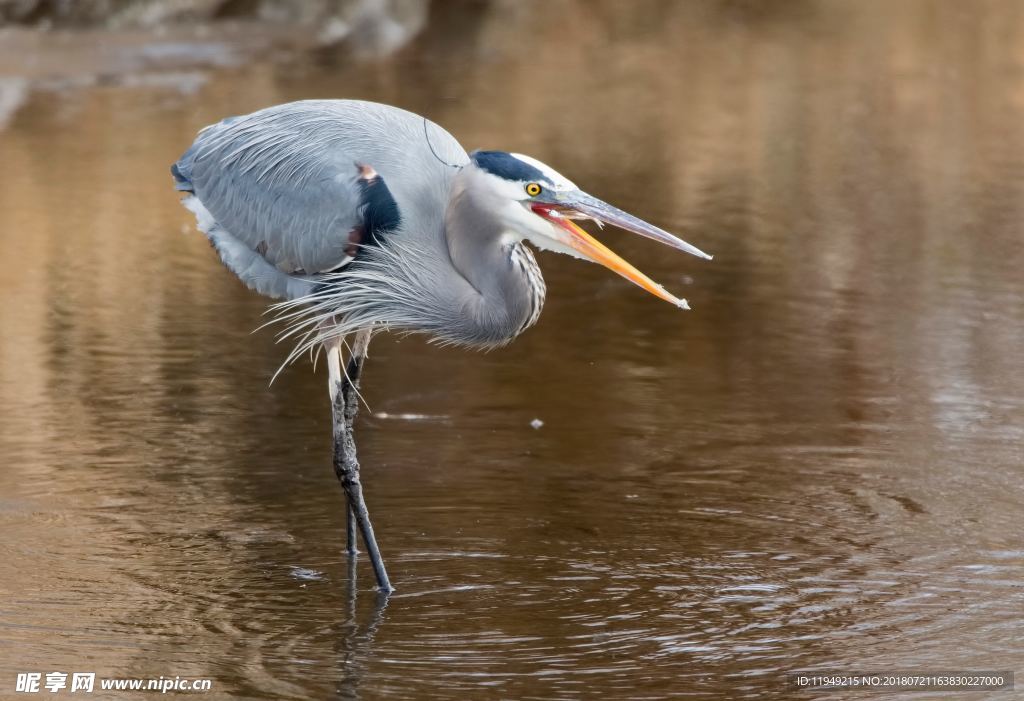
378 211
378 206
507 166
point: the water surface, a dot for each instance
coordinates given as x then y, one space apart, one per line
820 466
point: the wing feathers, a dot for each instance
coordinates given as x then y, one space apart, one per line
284 179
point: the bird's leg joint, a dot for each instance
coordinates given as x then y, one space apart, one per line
350 390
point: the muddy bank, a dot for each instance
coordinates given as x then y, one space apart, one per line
173 45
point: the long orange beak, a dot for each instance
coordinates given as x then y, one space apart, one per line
592 249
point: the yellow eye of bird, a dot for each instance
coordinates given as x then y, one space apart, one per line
533 189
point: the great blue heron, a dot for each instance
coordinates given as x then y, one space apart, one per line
362 216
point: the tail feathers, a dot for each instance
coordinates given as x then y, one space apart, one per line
250 267
181 181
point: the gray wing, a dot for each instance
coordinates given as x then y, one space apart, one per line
282 182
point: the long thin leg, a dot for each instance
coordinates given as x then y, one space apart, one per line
351 540
336 385
345 405
350 397
350 406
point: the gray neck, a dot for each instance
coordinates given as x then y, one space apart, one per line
509 290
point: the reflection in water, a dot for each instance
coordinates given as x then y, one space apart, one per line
818 466
357 643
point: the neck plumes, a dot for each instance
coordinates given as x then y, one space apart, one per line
506 290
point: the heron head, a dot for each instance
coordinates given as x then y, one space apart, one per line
539 204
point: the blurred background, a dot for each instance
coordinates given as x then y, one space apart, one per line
819 467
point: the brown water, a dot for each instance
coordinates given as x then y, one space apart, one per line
820 466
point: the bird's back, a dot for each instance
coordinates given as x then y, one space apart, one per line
283 181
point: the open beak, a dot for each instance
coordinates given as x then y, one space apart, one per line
564 207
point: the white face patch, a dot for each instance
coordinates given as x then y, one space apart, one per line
560 182
506 189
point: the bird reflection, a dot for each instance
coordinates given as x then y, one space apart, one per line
357 642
